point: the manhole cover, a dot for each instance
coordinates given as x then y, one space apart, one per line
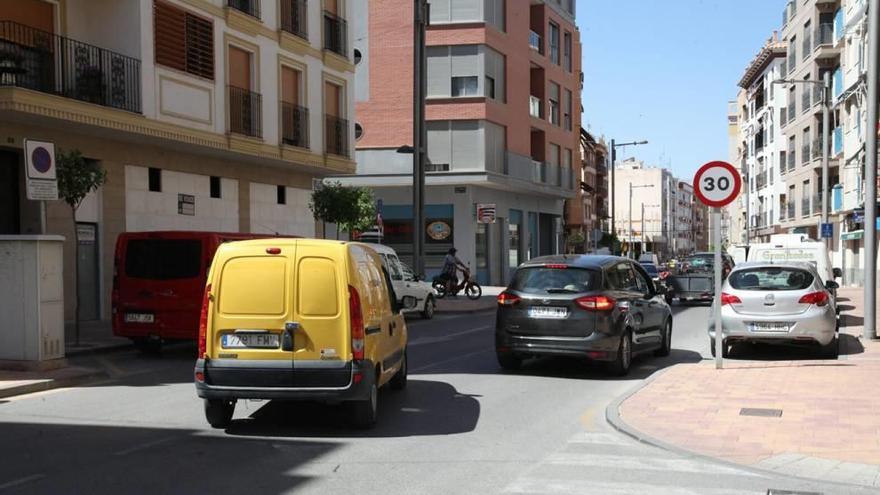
765 413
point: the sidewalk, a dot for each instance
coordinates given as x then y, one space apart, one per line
814 418
461 304
94 336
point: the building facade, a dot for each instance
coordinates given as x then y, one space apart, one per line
644 212
234 107
503 125
586 212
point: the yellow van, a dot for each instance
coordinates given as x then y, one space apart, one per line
299 319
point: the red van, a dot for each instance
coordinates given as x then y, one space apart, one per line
158 280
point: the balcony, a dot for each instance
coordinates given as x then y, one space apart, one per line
805 154
790 210
335 135
792 159
245 112
791 112
792 60
335 34
817 204
805 100
535 107
806 46
535 42
294 17
824 35
249 7
761 179
816 149
48 63
294 125
805 207
837 84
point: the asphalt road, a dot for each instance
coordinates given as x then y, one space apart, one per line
461 426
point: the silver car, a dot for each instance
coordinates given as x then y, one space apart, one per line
777 303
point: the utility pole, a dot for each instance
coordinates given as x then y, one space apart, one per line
642 223
420 141
826 135
870 323
613 184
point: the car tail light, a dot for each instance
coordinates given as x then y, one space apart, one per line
729 299
556 266
357 323
203 322
595 303
819 298
508 299
273 250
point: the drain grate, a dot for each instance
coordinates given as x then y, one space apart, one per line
757 411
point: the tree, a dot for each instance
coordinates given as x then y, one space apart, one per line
77 177
576 241
350 208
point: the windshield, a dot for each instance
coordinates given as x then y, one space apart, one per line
540 280
771 278
650 268
163 259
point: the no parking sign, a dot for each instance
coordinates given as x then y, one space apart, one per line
39 160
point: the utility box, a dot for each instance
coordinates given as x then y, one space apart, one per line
31 302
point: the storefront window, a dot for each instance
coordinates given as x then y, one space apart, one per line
482 251
514 230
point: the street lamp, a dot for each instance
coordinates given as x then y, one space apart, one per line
826 136
631 187
614 147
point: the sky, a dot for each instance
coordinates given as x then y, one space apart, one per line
664 70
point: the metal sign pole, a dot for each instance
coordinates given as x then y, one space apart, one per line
716 239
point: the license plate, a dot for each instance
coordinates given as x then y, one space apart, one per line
771 327
548 312
138 318
250 340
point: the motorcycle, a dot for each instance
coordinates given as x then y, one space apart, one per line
470 287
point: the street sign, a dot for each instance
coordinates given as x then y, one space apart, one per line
717 184
827 230
485 212
39 159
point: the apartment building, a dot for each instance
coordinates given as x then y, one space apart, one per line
682 224
206 115
733 227
503 125
586 212
765 155
644 205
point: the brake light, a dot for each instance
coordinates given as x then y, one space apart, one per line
508 299
556 266
595 303
819 298
203 322
729 299
357 323
273 250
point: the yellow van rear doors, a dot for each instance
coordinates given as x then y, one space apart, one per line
321 296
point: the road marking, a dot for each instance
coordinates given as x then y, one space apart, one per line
21 481
438 363
144 446
529 485
443 338
630 462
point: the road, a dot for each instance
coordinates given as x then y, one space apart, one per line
461 426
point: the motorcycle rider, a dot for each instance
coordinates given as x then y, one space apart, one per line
449 273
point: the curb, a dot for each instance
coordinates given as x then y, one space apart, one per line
612 416
51 384
100 349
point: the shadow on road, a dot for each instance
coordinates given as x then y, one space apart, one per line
848 345
423 408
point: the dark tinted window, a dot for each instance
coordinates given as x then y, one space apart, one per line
771 278
700 262
650 268
163 259
622 277
537 280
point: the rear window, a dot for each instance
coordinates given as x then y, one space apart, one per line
700 261
540 280
771 278
650 268
163 259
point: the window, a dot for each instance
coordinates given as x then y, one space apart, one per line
490 87
281 195
183 41
464 86
463 11
554 103
567 111
554 43
466 145
155 179
540 280
215 187
163 259
566 51
774 278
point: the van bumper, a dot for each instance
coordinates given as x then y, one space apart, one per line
285 380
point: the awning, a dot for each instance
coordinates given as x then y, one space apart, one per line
852 236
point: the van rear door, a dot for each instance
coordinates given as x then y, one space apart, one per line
321 303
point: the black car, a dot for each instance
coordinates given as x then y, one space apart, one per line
604 308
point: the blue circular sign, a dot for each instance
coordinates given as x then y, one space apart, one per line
41 159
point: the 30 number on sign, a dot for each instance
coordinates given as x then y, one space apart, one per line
717 184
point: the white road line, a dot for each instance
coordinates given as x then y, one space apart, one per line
438 363
443 338
21 481
530 485
635 462
144 446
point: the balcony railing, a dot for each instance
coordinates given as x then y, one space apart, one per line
249 7
806 46
816 149
792 159
245 112
294 17
535 42
805 153
791 111
790 208
336 135
335 34
805 100
792 60
761 180
48 63
535 106
817 204
824 34
805 207
294 125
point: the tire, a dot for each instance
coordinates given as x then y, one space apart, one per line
218 412
148 346
439 289
669 299
430 306
364 413
508 361
831 350
724 348
398 381
622 362
666 341
473 291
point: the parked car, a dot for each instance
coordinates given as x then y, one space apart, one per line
652 270
406 282
605 308
796 247
777 303
299 319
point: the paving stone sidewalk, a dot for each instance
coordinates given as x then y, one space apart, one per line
828 428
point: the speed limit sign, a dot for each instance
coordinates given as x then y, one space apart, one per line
717 184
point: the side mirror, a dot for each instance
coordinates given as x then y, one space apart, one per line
409 302
831 284
837 272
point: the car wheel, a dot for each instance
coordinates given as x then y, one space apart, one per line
668 298
398 381
622 362
148 346
831 350
218 412
430 306
508 361
366 412
439 290
666 341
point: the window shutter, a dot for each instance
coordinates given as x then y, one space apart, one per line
170 35
199 46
